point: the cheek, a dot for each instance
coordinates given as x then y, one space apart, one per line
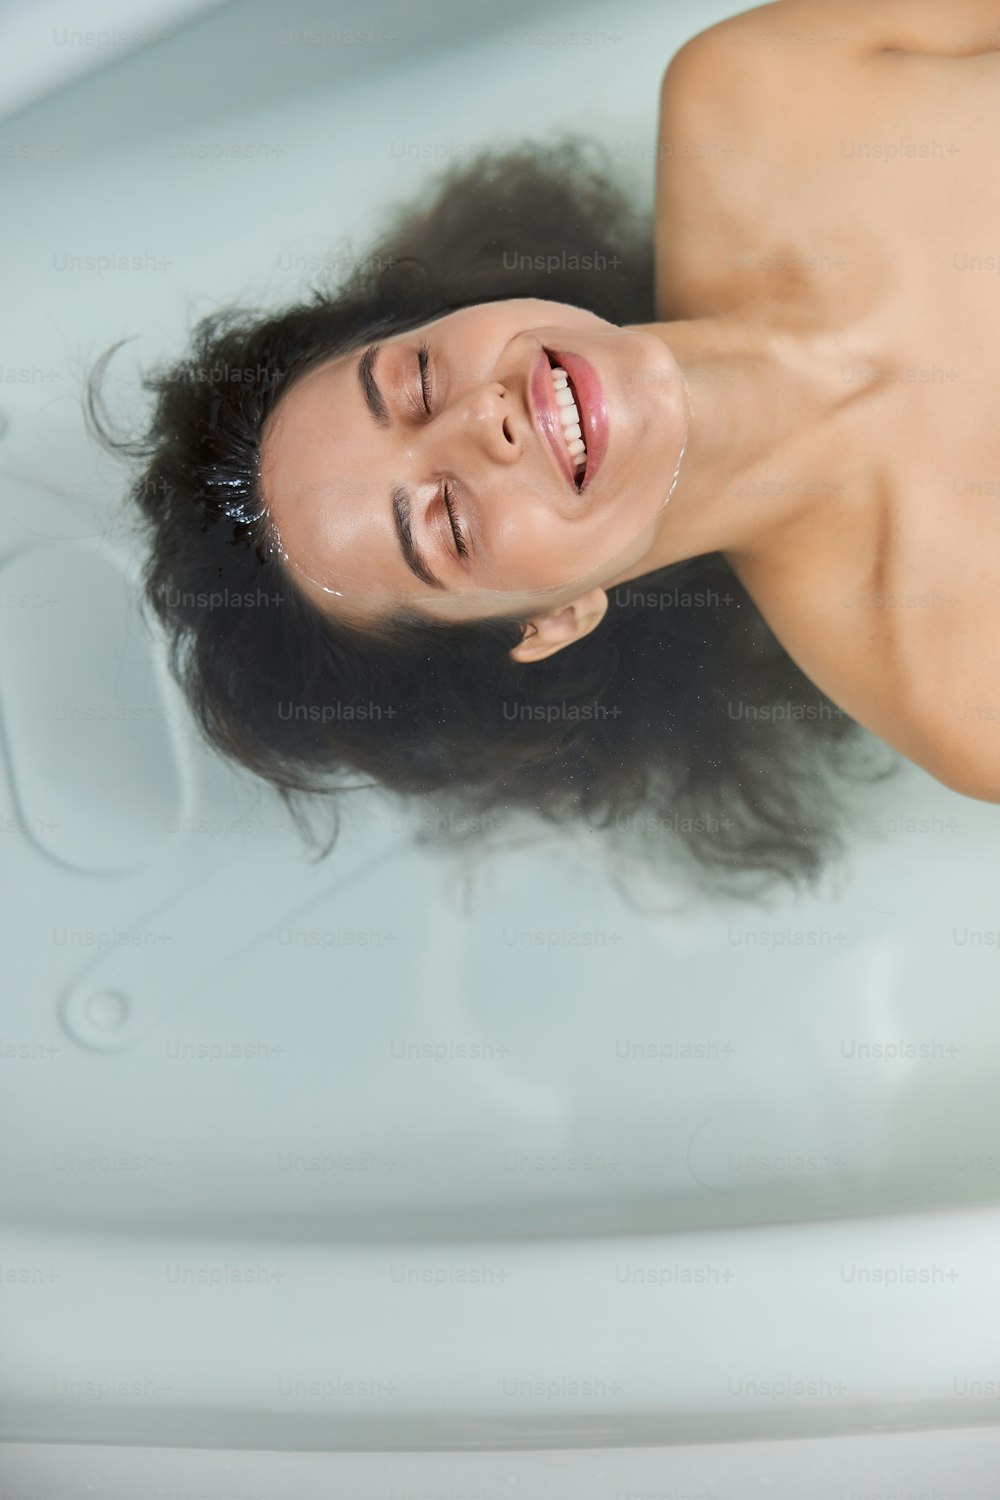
537 554
540 545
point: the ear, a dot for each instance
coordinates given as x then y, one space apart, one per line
562 627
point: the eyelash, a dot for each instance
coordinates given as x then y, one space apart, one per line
423 356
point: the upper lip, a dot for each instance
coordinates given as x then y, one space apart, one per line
546 414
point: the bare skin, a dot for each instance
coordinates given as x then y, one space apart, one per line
818 393
882 270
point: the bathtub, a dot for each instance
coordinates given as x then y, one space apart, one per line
391 1173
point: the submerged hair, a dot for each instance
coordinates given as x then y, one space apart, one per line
679 730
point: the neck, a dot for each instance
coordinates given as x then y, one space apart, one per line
759 454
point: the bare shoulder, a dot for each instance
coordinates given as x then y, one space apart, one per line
725 64
772 56
750 110
739 105
850 28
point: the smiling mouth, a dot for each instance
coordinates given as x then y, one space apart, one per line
564 411
571 415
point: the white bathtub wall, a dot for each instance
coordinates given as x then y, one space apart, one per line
726 1335
46 45
218 1055
960 1465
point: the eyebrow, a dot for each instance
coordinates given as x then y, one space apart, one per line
402 504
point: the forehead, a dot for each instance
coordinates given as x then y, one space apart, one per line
321 443
326 480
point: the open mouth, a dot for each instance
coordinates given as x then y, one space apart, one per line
571 417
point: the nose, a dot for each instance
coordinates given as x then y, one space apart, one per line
481 423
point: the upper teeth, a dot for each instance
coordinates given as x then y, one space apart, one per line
570 418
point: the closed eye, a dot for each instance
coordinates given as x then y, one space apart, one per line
454 521
461 546
423 358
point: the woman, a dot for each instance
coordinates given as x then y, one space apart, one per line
374 548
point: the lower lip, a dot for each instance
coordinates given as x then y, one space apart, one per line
594 416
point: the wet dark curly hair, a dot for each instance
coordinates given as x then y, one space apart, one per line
679 729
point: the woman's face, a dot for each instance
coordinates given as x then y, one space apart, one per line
332 461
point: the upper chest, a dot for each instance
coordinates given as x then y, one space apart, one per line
865 200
